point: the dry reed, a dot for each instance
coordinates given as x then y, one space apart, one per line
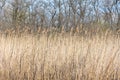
59 57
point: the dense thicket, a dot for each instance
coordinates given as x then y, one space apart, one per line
59 13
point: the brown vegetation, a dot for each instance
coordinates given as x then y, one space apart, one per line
52 55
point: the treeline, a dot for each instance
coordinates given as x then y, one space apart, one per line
59 13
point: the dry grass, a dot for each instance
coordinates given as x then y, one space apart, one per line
59 57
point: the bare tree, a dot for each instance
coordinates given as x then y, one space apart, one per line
117 8
58 13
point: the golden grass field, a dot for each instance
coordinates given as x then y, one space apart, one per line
59 57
